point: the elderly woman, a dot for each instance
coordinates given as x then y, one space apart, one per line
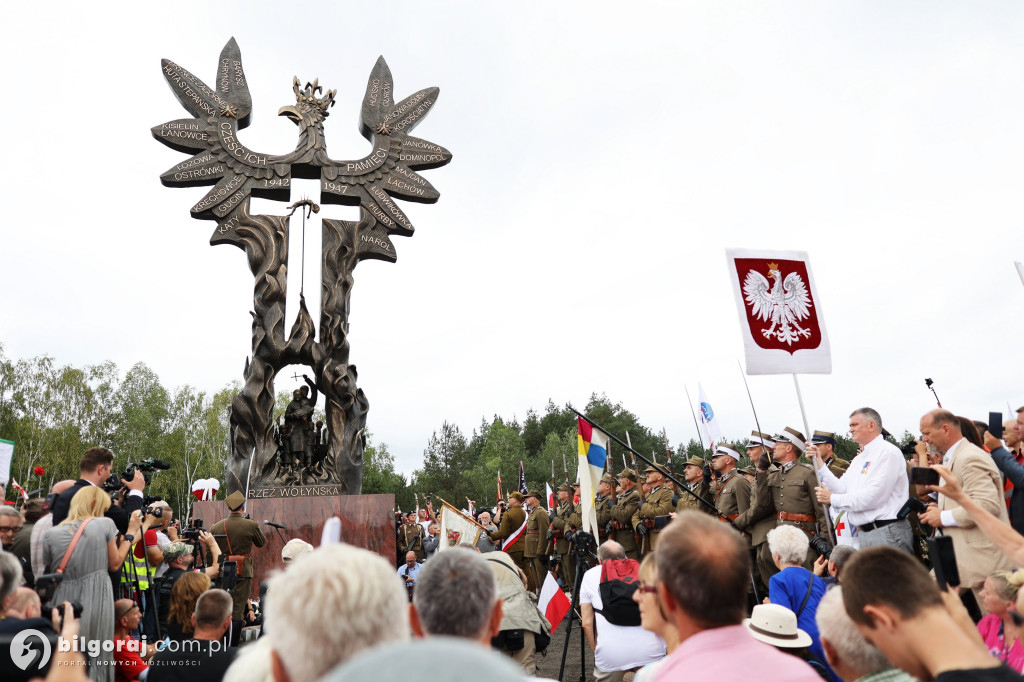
998 599
85 567
652 617
794 586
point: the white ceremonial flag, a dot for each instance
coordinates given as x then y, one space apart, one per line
6 455
457 528
709 424
780 312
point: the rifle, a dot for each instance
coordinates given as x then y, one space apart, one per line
668 453
565 468
645 542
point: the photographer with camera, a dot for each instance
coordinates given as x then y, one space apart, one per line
95 469
179 557
875 487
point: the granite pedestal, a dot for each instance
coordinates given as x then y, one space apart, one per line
367 521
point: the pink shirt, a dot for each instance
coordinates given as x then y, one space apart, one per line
730 654
991 629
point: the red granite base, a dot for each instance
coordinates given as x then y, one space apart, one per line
367 521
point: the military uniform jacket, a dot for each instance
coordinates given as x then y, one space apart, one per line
622 514
511 521
838 466
242 535
560 524
757 520
791 491
691 503
410 539
536 530
604 511
576 518
658 503
732 495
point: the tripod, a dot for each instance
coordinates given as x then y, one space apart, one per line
584 555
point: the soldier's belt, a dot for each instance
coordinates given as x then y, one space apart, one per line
658 522
532 532
731 517
557 534
799 518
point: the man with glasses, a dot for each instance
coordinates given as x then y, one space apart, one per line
10 524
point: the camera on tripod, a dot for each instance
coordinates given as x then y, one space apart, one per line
586 546
192 532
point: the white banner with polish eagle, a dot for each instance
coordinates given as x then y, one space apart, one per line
457 528
780 312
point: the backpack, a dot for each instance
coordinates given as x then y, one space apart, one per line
619 580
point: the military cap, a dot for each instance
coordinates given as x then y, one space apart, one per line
748 470
791 435
176 550
566 487
695 461
654 469
516 495
236 501
824 437
536 494
758 438
727 451
627 473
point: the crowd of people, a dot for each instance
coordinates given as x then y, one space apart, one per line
894 565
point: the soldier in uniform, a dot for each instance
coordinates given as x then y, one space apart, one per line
732 491
559 527
536 528
511 535
788 494
758 519
695 479
653 514
604 500
410 537
626 504
236 536
826 442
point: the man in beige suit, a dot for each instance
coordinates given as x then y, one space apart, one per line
976 557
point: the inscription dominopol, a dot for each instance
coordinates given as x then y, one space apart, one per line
388 172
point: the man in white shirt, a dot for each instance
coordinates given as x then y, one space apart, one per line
617 648
873 489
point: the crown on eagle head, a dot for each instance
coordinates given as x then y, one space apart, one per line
773 266
308 94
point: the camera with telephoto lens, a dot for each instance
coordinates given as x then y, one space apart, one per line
147 466
821 545
585 545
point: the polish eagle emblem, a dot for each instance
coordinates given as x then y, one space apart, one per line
784 303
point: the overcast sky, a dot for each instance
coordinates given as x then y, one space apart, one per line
605 155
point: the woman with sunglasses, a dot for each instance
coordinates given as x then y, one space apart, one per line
652 617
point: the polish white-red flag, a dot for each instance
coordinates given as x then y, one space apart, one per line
780 312
552 602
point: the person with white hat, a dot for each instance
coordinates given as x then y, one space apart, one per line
789 493
732 491
758 519
295 548
776 625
